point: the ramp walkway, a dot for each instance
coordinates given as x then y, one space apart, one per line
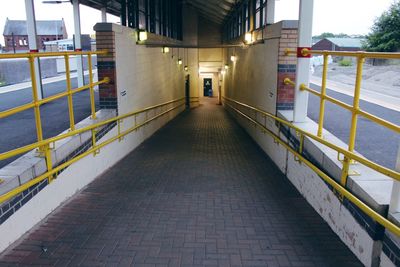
199 192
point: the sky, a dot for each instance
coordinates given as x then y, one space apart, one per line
336 16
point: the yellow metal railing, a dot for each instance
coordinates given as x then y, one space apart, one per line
36 102
44 145
95 146
355 108
341 189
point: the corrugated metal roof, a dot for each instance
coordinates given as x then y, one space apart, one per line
346 42
214 10
43 27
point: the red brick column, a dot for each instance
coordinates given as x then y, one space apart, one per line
286 69
105 40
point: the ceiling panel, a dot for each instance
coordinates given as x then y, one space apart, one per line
214 10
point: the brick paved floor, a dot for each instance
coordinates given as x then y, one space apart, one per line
198 193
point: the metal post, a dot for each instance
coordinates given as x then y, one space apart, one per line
123 12
353 127
270 12
32 40
77 41
322 100
103 14
395 198
303 61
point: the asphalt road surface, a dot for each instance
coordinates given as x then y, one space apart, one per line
19 129
373 141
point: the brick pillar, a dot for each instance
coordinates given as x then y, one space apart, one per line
286 69
105 40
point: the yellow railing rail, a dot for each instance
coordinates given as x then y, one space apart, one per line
355 108
36 102
298 154
95 146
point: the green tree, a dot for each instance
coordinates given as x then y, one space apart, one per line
329 35
385 35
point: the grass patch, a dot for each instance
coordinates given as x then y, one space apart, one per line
345 63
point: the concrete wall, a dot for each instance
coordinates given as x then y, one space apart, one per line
17 70
143 77
14 71
252 78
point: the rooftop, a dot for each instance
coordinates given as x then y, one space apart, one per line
346 42
44 27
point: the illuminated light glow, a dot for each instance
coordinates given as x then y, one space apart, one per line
165 49
223 72
186 68
142 35
248 37
226 66
233 58
180 61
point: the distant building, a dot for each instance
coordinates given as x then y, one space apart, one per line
339 44
16 36
68 44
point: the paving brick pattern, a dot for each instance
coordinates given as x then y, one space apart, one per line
200 192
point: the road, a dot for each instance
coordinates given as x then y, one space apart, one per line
373 141
19 129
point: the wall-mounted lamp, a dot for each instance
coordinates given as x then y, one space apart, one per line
226 66
186 68
223 72
165 50
248 38
142 35
233 58
180 61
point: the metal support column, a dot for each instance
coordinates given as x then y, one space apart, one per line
270 12
103 14
303 60
78 41
123 12
33 47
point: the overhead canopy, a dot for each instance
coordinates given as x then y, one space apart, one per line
214 10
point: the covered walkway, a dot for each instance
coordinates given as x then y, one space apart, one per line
199 192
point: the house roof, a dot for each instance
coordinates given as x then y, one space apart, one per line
346 42
43 27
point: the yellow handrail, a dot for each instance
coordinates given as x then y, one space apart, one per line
338 187
379 168
381 55
355 107
44 147
95 147
36 102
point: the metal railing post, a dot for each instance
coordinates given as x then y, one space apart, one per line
394 206
353 128
91 89
38 120
322 100
70 103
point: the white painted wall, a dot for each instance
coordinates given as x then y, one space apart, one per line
252 78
